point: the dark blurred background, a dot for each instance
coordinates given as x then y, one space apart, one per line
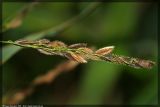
130 26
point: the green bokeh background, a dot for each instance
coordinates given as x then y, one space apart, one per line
130 26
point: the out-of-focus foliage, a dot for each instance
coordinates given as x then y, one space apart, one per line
131 27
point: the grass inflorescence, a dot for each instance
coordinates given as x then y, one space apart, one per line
81 53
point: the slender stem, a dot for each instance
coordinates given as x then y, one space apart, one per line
36 46
60 28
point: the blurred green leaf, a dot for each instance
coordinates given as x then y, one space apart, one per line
98 82
8 51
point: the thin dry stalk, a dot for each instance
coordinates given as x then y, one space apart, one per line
47 78
18 19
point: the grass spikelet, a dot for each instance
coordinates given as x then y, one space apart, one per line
78 45
57 44
78 58
105 50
